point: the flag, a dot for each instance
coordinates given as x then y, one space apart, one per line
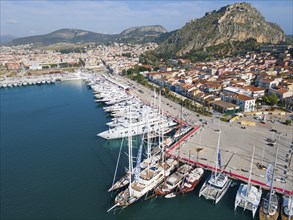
219 159
268 175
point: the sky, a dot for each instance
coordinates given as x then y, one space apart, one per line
26 18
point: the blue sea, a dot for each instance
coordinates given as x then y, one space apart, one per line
53 166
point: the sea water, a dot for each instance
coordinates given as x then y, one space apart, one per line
53 166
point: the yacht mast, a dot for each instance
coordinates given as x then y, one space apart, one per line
273 176
148 141
130 164
217 157
250 173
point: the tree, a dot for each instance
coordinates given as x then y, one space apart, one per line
167 91
288 122
124 72
273 99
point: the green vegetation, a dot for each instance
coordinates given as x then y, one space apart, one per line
288 122
127 55
133 74
220 51
271 99
150 58
72 50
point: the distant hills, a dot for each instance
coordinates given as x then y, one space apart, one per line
6 38
135 35
224 32
238 22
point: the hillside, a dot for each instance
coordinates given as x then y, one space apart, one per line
233 23
136 35
6 38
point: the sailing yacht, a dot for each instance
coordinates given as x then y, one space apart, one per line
287 208
143 180
217 184
270 207
191 180
248 196
173 181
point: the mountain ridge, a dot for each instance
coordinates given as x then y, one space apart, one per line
69 35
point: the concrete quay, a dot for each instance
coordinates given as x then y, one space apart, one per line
236 143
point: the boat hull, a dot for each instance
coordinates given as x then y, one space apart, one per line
264 216
212 193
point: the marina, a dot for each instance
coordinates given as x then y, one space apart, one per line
219 179
194 148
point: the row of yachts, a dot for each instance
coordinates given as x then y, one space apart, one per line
160 174
44 79
20 83
130 115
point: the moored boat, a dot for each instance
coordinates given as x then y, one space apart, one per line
191 180
270 207
173 181
287 208
217 184
248 196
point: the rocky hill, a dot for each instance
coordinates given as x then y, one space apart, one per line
136 34
233 23
141 33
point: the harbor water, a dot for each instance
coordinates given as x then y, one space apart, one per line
53 166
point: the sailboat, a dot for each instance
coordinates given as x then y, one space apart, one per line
141 181
248 196
191 180
173 181
217 184
287 208
270 208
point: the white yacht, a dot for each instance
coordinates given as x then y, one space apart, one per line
137 128
148 179
217 184
248 196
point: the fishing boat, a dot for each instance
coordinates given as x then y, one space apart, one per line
191 180
287 208
270 208
248 196
218 183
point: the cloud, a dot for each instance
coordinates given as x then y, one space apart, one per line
11 21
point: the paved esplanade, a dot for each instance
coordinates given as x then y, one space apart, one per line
236 143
